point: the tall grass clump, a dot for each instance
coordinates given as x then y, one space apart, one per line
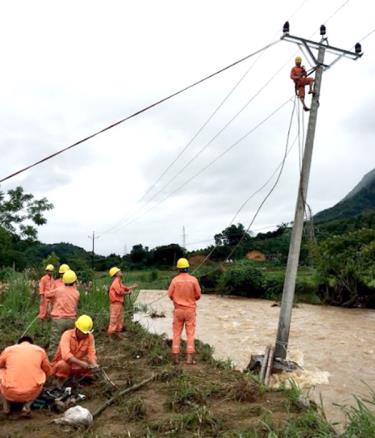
361 418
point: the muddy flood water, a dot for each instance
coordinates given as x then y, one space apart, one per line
336 346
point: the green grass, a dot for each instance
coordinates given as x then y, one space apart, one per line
190 395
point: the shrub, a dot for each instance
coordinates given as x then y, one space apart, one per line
242 279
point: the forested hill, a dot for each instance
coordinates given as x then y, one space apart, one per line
359 200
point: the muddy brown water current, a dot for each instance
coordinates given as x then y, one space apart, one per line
336 346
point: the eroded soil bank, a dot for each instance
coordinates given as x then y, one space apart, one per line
332 342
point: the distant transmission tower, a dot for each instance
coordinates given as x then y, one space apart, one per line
183 237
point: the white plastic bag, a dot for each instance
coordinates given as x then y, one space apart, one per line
76 416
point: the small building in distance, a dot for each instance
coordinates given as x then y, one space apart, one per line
256 255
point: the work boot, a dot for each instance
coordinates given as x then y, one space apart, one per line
190 359
176 358
26 410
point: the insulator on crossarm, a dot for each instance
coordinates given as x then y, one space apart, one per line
286 27
358 48
323 30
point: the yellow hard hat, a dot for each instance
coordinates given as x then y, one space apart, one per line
182 263
50 267
113 271
63 268
69 277
298 60
84 324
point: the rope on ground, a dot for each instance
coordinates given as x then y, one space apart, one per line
124 392
137 113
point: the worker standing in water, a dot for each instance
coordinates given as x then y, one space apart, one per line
299 75
62 269
24 368
117 292
46 284
184 291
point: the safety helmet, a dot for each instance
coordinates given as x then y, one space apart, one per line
50 268
63 268
113 271
298 60
84 324
182 263
69 277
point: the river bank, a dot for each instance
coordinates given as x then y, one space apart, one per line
334 344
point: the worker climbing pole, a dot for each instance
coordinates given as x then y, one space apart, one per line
295 242
301 79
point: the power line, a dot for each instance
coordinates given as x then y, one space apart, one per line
264 199
126 218
139 112
188 144
218 157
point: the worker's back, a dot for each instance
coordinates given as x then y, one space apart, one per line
26 366
65 302
184 290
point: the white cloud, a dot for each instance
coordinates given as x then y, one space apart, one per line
71 68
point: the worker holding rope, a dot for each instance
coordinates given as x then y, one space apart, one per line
76 354
299 75
46 284
184 291
117 292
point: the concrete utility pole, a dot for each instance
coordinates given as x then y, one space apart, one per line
93 249
282 339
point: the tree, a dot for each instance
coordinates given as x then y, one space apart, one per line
20 212
232 235
139 255
167 255
346 267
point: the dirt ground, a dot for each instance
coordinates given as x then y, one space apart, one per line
208 399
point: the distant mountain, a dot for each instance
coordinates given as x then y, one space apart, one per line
359 200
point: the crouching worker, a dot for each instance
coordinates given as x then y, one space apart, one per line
117 292
184 291
76 354
24 369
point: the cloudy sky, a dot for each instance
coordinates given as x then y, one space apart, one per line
70 68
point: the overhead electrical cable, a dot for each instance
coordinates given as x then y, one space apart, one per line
218 157
107 128
188 144
280 168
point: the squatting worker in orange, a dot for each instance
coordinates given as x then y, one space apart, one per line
64 307
117 292
184 291
76 354
62 269
46 284
24 368
299 75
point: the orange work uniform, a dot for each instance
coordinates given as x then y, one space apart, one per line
64 302
70 346
184 291
59 282
24 369
298 75
46 284
117 293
